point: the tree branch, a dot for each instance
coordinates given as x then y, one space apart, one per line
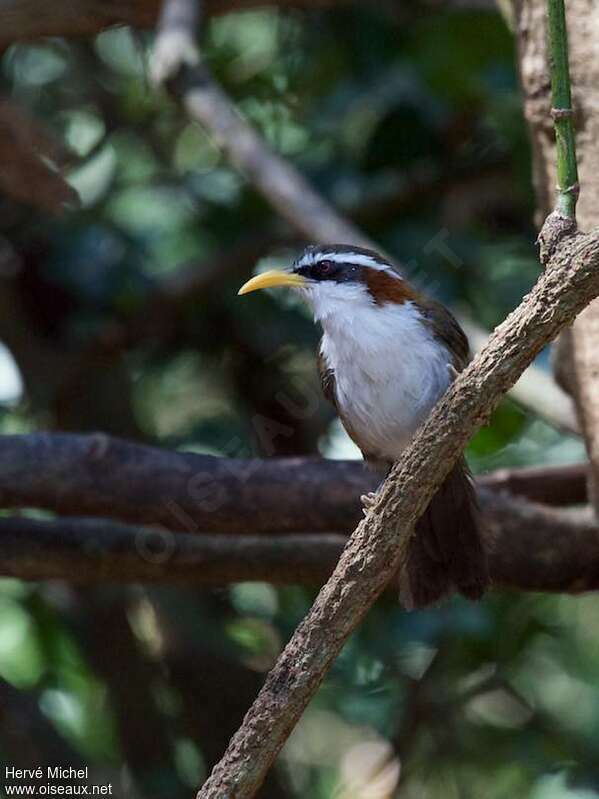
536 389
534 549
378 546
290 194
578 354
102 476
30 19
555 485
541 549
98 551
98 475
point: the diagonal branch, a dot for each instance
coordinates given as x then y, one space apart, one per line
378 546
288 192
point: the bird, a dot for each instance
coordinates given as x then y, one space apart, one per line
387 354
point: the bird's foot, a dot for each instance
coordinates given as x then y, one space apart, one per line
452 371
367 501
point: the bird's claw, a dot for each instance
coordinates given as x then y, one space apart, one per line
452 371
367 501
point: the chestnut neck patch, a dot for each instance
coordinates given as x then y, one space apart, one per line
385 288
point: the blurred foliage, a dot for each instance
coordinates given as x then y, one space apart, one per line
411 122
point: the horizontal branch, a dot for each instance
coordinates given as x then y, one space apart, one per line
97 550
31 19
534 549
547 485
98 475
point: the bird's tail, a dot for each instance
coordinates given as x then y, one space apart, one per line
447 552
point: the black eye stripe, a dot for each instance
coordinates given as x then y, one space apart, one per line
327 269
324 269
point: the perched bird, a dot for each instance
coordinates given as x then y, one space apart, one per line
387 355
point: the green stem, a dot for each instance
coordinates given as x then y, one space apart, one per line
561 111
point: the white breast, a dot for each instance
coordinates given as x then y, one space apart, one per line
389 369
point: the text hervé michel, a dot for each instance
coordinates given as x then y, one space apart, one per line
48 773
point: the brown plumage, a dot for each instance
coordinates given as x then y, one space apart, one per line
384 288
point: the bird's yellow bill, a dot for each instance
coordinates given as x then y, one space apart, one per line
273 278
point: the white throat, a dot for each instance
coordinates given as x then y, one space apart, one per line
389 368
335 305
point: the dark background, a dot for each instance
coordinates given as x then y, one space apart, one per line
121 315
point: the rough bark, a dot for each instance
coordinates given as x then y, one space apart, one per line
578 359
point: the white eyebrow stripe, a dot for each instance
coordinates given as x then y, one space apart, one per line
355 258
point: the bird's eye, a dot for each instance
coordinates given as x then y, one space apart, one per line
324 268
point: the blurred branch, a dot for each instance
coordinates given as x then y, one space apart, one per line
549 485
26 154
534 548
99 475
31 19
291 196
97 551
176 55
175 43
535 390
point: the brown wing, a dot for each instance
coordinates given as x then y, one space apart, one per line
447 329
327 380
